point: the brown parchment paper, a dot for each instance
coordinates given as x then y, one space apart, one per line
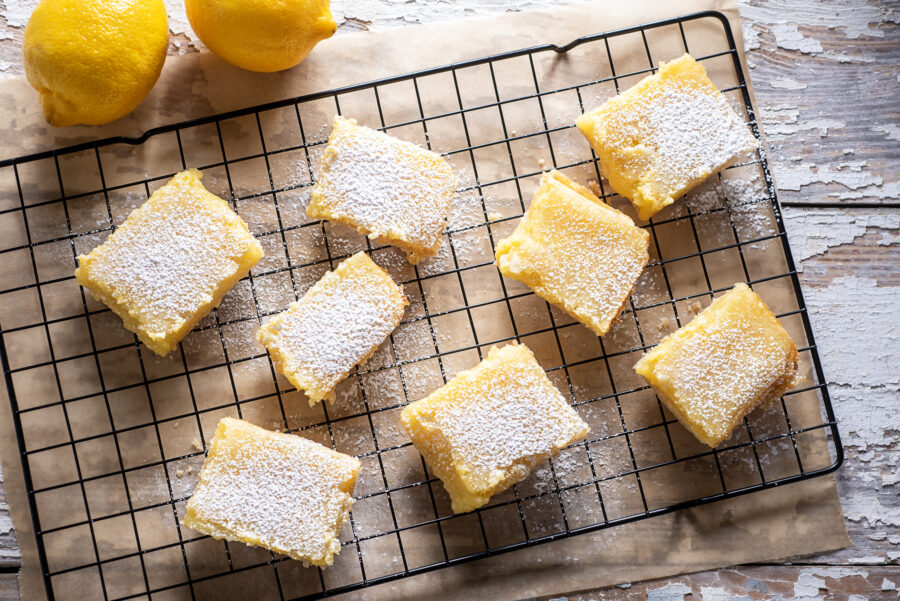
794 520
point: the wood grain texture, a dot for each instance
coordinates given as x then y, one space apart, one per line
9 548
9 586
827 79
750 583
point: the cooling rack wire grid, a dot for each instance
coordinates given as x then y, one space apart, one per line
112 437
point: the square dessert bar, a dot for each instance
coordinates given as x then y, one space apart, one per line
576 252
489 426
384 187
279 491
666 134
171 262
337 324
733 357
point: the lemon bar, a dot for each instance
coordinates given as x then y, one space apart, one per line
489 426
576 252
384 187
337 324
666 134
279 491
171 262
733 357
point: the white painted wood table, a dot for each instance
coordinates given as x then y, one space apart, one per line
827 79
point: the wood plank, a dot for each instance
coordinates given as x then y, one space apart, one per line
9 586
825 78
852 287
758 582
9 547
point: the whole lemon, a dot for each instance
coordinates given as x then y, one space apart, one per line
94 61
261 35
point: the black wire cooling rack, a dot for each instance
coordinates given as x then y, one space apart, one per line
111 436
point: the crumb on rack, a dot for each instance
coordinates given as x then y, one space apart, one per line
542 163
179 473
494 216
195 444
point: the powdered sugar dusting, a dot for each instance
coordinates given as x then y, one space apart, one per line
727 361
575 252
280 491
503 421
338 323
499 419
746 200
667 133
384 187
167 261
694 132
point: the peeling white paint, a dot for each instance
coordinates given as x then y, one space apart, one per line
850 174
6 524
866 413
823 125
812 232
888 585
178 21
675 591
787 83
811 582
708 593
788 36
18 12
401 12
844 57
888 191
867 560
862 507
780 122
751 36
808 586
854 18
891 131
865 391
